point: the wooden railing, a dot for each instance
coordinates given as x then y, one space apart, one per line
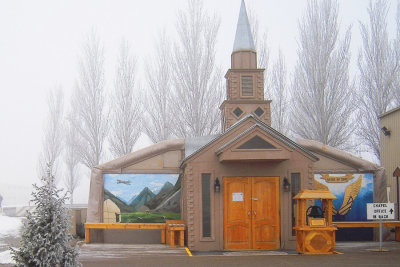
395 224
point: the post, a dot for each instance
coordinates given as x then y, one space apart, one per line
397 193
163 236
380 235
87 235
182 238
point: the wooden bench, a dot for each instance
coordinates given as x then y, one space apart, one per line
395 224
168 230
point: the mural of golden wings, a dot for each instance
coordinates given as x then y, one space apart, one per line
350 195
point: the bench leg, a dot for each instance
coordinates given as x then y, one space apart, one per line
162 236
182 238
167 237
87 235
172 239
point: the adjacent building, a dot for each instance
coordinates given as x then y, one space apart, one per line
389 124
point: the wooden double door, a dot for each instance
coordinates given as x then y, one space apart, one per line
251 213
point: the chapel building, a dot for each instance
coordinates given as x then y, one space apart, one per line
234 189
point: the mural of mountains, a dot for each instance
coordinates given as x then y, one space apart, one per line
157 199
131 199
122 206
144 196
171 203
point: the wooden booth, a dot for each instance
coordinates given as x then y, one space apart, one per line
315 233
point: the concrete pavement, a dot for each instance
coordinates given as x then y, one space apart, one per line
349 254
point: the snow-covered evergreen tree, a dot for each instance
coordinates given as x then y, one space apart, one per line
45 239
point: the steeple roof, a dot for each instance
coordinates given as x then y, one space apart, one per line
243 37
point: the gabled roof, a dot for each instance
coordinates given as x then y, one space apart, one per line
338 155
268 129
192 144
243 37
144 153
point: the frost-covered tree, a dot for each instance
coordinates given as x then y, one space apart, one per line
278 93
321 90
53 132
397 53
126 109
45 238
158 116
88 102
71 159
197 80
275 79
261 44
378 68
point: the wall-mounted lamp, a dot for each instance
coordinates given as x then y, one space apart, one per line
217 186
385 131
286 185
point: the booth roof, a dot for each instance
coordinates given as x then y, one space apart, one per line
315 194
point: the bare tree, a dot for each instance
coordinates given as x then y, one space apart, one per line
322 93
52 141
197 80
158 123
261 44
275 80
88 103
378 69
278 93
71 159
126 109
397 54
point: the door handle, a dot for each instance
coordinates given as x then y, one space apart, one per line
249 213
255 213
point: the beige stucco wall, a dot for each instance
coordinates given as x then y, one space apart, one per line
207 161
390 148
78 217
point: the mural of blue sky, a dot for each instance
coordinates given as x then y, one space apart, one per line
128 186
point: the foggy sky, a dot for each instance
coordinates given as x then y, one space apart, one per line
40 42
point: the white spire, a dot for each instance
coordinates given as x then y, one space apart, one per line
243 37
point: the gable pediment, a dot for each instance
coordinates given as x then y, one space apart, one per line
254 144
242 131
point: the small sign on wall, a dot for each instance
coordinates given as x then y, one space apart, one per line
237 196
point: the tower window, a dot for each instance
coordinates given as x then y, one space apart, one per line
247 85
259 111
238 112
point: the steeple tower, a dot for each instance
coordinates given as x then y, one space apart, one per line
244 81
